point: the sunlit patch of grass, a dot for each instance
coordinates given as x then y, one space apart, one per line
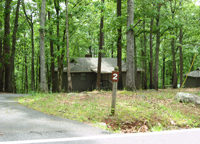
124 92
157 128
155 109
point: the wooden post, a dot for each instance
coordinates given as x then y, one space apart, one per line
115 79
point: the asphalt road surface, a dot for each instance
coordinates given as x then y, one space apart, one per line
21 125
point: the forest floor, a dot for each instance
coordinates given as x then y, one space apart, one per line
140 111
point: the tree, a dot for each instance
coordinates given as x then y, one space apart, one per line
31 24
12 78
6 44
173 41
174 77
60 53
163 66
181 56
130 67
101 43
43 82
158 6
69 79
180 52
145 61
26 67
1 51
151 54
52 54
119 44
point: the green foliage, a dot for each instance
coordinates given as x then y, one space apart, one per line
84 20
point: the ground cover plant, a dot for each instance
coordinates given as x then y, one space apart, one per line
140 111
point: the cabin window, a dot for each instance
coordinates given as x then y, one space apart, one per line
83 76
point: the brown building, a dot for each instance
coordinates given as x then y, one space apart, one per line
84 73
193 79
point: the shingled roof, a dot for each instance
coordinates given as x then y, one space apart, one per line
90 65
195 73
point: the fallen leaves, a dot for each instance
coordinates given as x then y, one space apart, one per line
127 127
143 128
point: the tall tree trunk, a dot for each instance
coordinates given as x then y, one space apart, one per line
67 47
145 61
90 50
1 55
174 77
163 69
61 55
157 47
60 64
6 45
43 83
48 76
174 64
12 82
135 57
32 59
1 66
31 24
52 56
101 43
130 67
25 90
151 55
26 74
57 7
142 60
22 77
112 51
181 53
119 45
181 56
38 71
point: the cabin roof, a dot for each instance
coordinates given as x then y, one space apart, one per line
195 73
88 64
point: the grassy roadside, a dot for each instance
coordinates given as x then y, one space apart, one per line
139 111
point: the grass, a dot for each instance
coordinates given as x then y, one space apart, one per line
139 111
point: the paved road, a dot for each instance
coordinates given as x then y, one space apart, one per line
20 125
191 136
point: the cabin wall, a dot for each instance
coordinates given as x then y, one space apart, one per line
192 82
80 81
87 81
83 81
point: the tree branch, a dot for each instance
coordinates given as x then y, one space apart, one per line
136 24
28 18
77 3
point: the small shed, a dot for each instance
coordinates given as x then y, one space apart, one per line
84 73
193 79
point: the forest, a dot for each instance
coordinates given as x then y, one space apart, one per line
36 36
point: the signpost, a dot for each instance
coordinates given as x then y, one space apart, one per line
115 79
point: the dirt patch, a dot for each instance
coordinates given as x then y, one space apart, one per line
127 127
